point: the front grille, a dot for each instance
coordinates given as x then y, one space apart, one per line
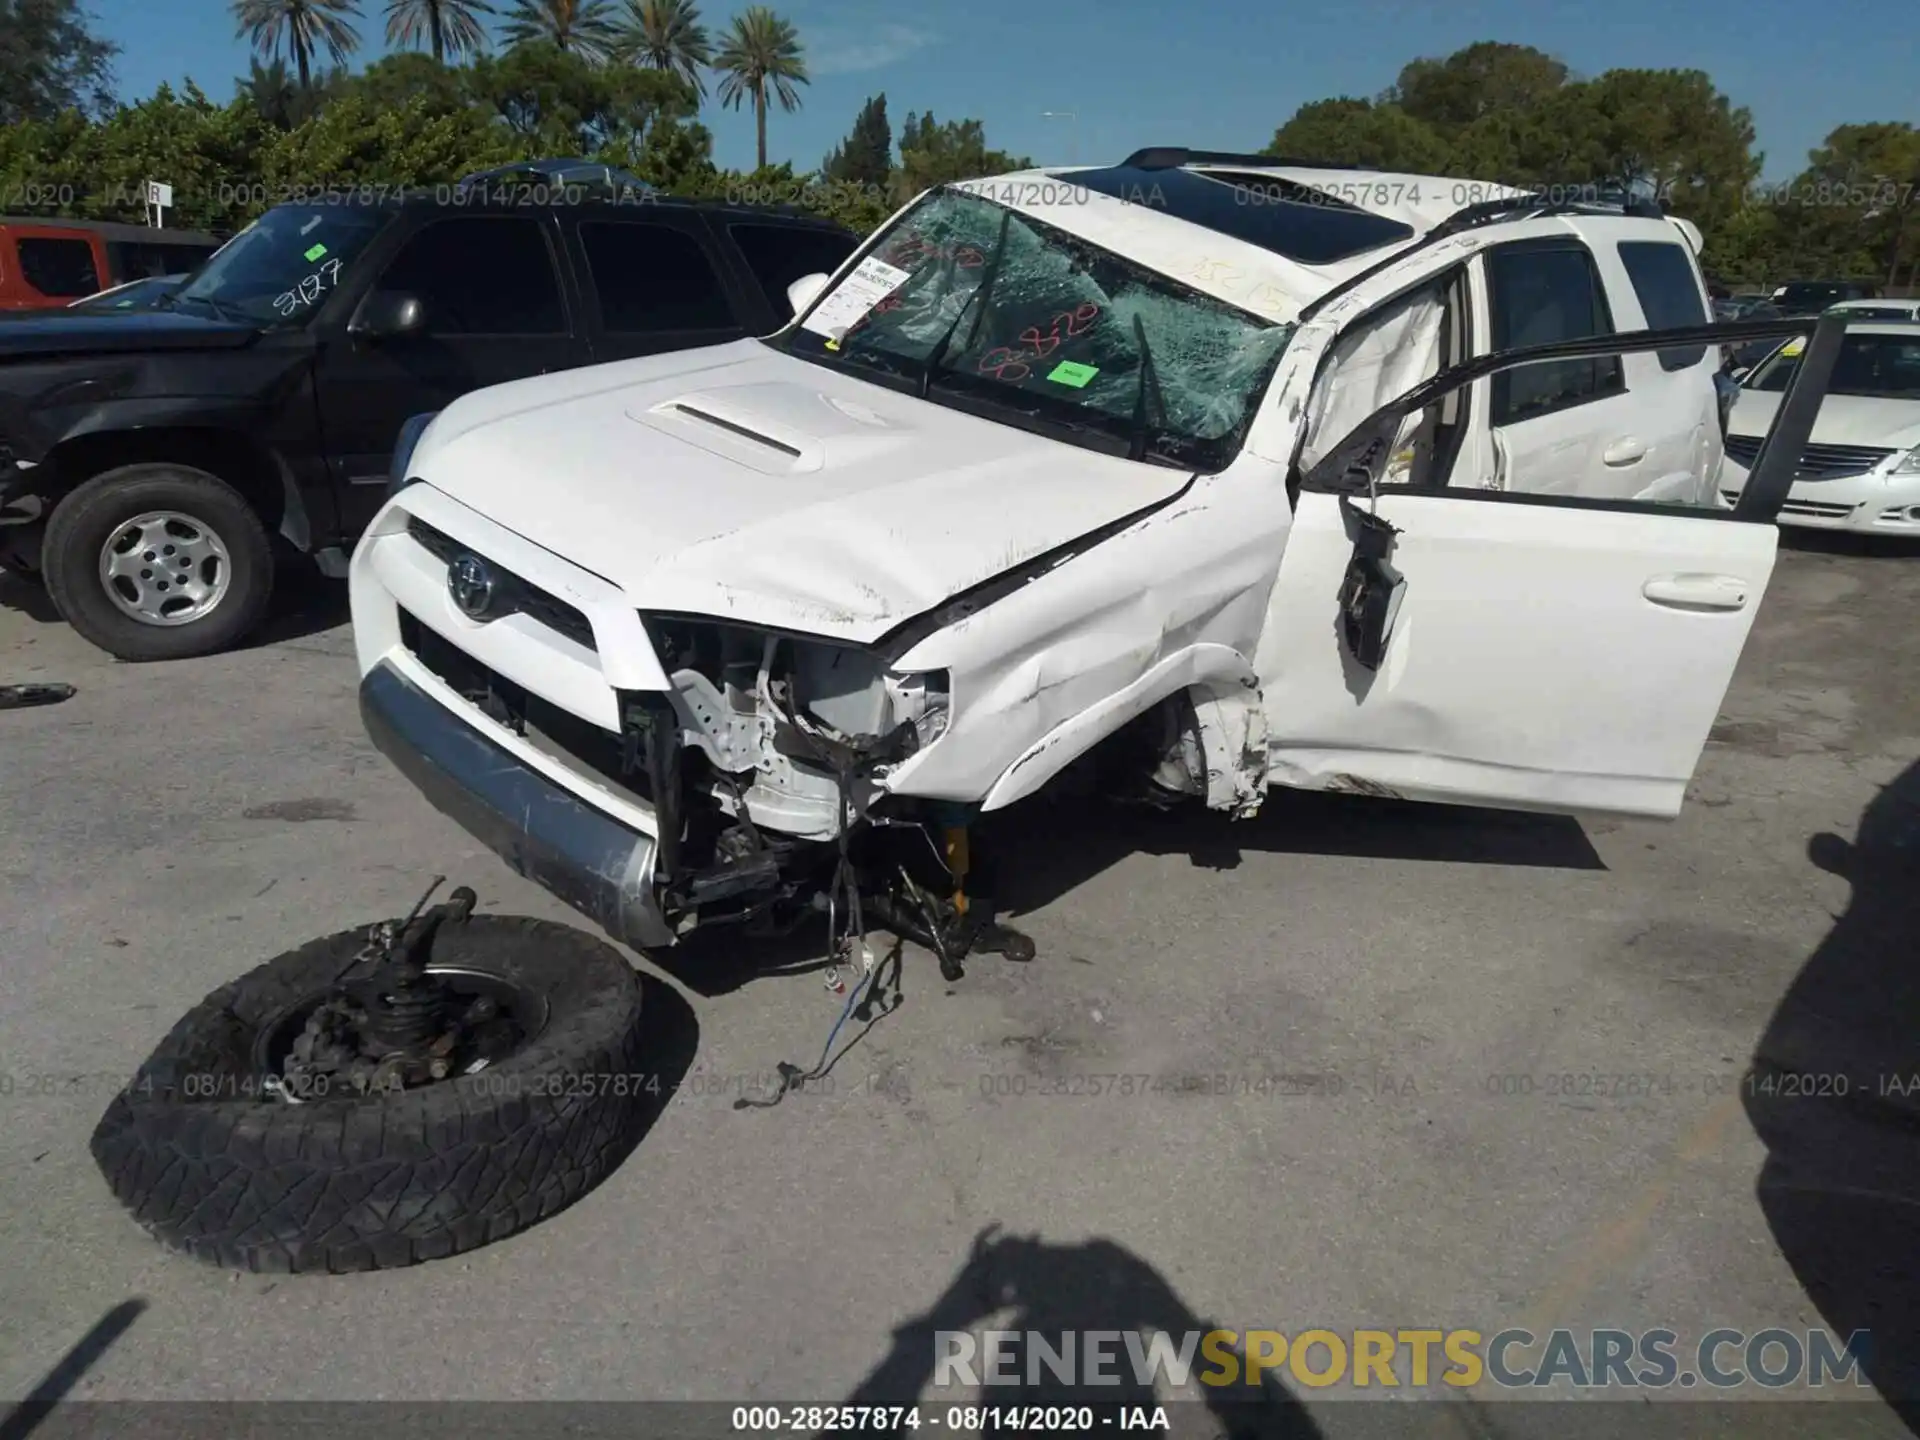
578 744
1817 462
514 595
1816 510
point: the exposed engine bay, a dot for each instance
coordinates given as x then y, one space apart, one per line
766 766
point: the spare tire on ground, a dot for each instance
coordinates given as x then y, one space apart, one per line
212 1158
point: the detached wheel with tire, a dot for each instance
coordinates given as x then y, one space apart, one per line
216 1157
158 562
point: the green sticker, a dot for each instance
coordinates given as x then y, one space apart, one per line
1072 372
314 252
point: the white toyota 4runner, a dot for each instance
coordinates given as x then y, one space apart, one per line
1065 460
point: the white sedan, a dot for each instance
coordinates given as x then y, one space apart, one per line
1861 469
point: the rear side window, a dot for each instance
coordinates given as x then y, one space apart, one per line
1540 295
778 255
481 275
55 267
1662 276
652 277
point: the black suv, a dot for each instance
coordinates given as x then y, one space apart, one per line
1810 297
147 458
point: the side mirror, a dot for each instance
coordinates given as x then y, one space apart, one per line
804 291
388 315
1740 372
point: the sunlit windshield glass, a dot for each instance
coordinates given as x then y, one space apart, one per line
281 267
967 297
1886 367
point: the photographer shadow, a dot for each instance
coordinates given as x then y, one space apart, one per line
1834 1092
1070 1290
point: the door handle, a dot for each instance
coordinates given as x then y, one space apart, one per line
1627 451
1697 592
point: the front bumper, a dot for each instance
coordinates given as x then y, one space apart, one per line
593 862
1874 502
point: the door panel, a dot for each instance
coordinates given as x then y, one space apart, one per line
1553 425
495 311
1543 656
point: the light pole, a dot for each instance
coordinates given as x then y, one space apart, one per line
1073 140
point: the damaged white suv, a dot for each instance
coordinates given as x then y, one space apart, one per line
1066 460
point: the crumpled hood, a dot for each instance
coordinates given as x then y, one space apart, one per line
1843 419
742 483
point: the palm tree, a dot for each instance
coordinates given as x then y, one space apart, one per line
761 51
302 27
584 27
667 35
450 27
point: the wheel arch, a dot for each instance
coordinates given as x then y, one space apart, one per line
250 468
1211 673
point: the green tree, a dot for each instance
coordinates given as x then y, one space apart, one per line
558 102
1673 134
354 142
761 52
667 35
302 28
581 27
1489 76
405 75
865 157
934 152
1362 132
51 62
447 27
1861 190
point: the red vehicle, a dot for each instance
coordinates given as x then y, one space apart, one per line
45 264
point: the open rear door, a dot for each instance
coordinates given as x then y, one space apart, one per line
1544 652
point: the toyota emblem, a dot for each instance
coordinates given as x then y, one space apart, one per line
470 582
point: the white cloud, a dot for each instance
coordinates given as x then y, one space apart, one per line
847 53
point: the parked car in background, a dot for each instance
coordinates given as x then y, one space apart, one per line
1861 469
266 394
1810 297
130 295
48 264
1881 309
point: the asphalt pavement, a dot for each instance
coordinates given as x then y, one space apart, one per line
1352 1016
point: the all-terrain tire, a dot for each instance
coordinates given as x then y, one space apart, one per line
211 1165
83 523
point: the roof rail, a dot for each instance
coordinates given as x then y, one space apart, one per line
1535 205
1172 157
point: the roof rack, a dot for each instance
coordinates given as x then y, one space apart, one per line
1172 157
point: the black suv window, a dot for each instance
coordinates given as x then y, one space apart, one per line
57 267
481 275
1540 295
652 277
1662 276
778 255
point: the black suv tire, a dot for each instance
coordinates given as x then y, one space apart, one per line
211 517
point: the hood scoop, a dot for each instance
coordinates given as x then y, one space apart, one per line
680 407
779 428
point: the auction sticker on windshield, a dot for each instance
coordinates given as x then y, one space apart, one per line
870 283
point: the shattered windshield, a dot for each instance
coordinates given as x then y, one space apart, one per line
962 297
281 267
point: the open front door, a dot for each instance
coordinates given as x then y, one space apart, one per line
1529 651
1554 655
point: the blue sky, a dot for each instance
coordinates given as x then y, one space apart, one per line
1221 77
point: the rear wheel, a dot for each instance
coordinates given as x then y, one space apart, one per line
158 562
216 1155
